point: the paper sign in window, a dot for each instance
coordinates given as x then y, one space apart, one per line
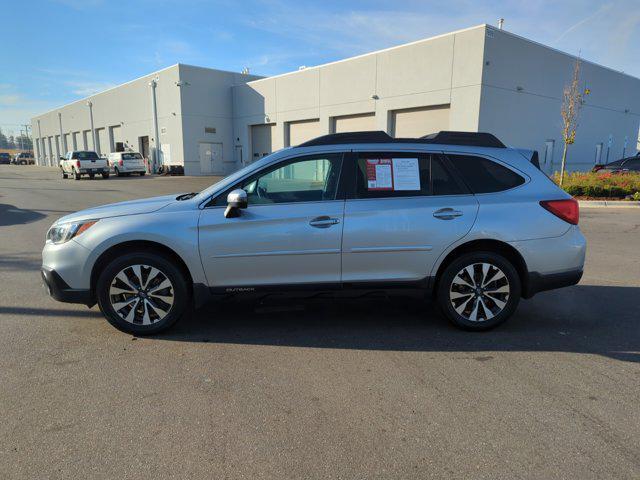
380 174
406 174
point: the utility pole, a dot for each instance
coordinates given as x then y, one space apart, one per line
154 107
93 132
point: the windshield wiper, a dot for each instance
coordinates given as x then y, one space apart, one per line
186 196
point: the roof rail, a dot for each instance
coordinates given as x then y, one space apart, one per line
477 139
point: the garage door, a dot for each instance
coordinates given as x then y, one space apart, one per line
354 123
302 131
102 142
417 122
75 141
87 139
261 140
115 133
66 146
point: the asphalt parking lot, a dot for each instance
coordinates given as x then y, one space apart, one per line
367 388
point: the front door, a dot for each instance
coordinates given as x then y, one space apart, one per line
290 234
406 209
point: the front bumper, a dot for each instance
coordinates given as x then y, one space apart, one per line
58 289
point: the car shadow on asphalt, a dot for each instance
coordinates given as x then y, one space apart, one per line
12 215
600 320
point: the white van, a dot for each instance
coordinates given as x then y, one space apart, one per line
124 163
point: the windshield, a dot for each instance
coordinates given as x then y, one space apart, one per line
225 182
85 156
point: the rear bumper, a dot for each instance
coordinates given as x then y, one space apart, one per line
95 170
58 289
538 282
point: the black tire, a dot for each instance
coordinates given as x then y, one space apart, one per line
180 291
77 175
64 175
491 310
105 175
142 174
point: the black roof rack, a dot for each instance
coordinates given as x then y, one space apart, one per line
479 139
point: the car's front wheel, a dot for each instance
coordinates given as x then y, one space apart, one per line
142 293
479 291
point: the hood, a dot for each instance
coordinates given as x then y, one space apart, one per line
132 207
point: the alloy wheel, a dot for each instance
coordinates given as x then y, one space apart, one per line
479 292
141 294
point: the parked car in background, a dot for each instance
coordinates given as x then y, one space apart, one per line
5 158
628 164
457 216
78 163
23 158
125 163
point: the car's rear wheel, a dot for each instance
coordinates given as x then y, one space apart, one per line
479 291
64 175
77 175
142 293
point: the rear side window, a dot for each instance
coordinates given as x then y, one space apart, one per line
392 175
483 175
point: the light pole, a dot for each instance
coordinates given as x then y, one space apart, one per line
155 153
41 141
63 140
93 132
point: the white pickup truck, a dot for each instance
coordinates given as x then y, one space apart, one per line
78 163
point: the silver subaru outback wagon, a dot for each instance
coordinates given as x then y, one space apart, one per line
456 216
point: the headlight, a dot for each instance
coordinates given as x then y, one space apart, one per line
64 232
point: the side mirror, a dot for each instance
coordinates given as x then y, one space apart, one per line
236 200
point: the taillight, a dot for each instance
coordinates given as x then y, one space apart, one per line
78 163
567 210
121 163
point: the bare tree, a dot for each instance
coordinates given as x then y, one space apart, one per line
572 100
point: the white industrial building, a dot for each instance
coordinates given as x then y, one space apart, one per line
477 79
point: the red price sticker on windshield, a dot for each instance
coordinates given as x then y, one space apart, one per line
379 174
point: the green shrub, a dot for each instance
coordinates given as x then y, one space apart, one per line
615 185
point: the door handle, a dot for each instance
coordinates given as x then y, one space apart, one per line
447 214
323 221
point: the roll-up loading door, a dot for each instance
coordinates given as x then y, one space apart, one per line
354 123
261 140
299 132
417 122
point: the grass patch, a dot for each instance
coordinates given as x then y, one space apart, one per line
599 185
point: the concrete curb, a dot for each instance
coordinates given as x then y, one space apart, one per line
608 204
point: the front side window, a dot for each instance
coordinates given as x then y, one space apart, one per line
483 175
311 178
401 174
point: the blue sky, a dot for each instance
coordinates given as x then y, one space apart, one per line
57 51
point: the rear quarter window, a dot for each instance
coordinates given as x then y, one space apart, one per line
483 175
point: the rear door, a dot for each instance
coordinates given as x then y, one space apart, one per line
403 211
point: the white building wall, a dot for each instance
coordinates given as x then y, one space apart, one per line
128 107
522 90
445 70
